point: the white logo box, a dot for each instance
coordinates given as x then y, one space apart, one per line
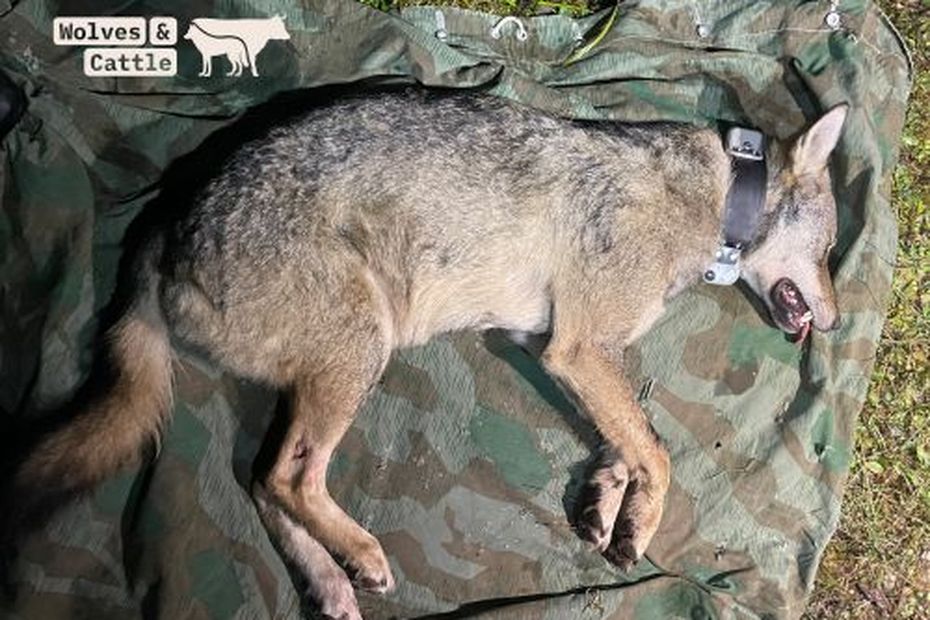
99 30
130 61
128 31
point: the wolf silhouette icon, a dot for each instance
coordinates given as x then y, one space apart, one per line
240 40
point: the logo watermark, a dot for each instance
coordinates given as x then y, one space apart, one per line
130 62
144 47
239 40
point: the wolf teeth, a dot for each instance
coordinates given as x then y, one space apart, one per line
808 317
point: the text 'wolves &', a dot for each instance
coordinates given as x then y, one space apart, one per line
239 40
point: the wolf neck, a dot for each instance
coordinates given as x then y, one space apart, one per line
743 206
698 230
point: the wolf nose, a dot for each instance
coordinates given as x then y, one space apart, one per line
835 324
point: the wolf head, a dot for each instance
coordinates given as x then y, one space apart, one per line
276 29
787 267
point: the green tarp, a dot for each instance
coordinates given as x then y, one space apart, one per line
466 459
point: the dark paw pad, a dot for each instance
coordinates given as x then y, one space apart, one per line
371 584
621 551
590 526
588 498
622 554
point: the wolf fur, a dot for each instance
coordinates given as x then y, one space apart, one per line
379 222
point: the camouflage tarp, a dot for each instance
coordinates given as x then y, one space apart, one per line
465 460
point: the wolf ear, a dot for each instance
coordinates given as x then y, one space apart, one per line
812 150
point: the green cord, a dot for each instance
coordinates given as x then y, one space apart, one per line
586 49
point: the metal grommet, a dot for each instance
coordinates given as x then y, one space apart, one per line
833 20
441 33
702 31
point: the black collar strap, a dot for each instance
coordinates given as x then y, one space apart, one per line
744 203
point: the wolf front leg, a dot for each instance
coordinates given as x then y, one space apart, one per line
622 504
206 65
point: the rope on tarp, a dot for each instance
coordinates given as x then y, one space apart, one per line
586 49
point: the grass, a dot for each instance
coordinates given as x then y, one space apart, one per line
878 563
502 7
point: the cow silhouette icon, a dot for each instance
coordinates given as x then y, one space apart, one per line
240 40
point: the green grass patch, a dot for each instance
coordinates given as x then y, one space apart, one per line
521 8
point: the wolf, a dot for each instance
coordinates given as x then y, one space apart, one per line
240 40
327 244
209 46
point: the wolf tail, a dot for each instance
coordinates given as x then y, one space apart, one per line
110 432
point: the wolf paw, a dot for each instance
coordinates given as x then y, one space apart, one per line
622 551
600 503
621 506
336 599
370 568
327 584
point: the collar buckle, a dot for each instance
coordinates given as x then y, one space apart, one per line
745 143
725 270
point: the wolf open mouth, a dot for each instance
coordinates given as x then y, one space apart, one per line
789 309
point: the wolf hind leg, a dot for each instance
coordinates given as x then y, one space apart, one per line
327 584
324 402
251 60
235 66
